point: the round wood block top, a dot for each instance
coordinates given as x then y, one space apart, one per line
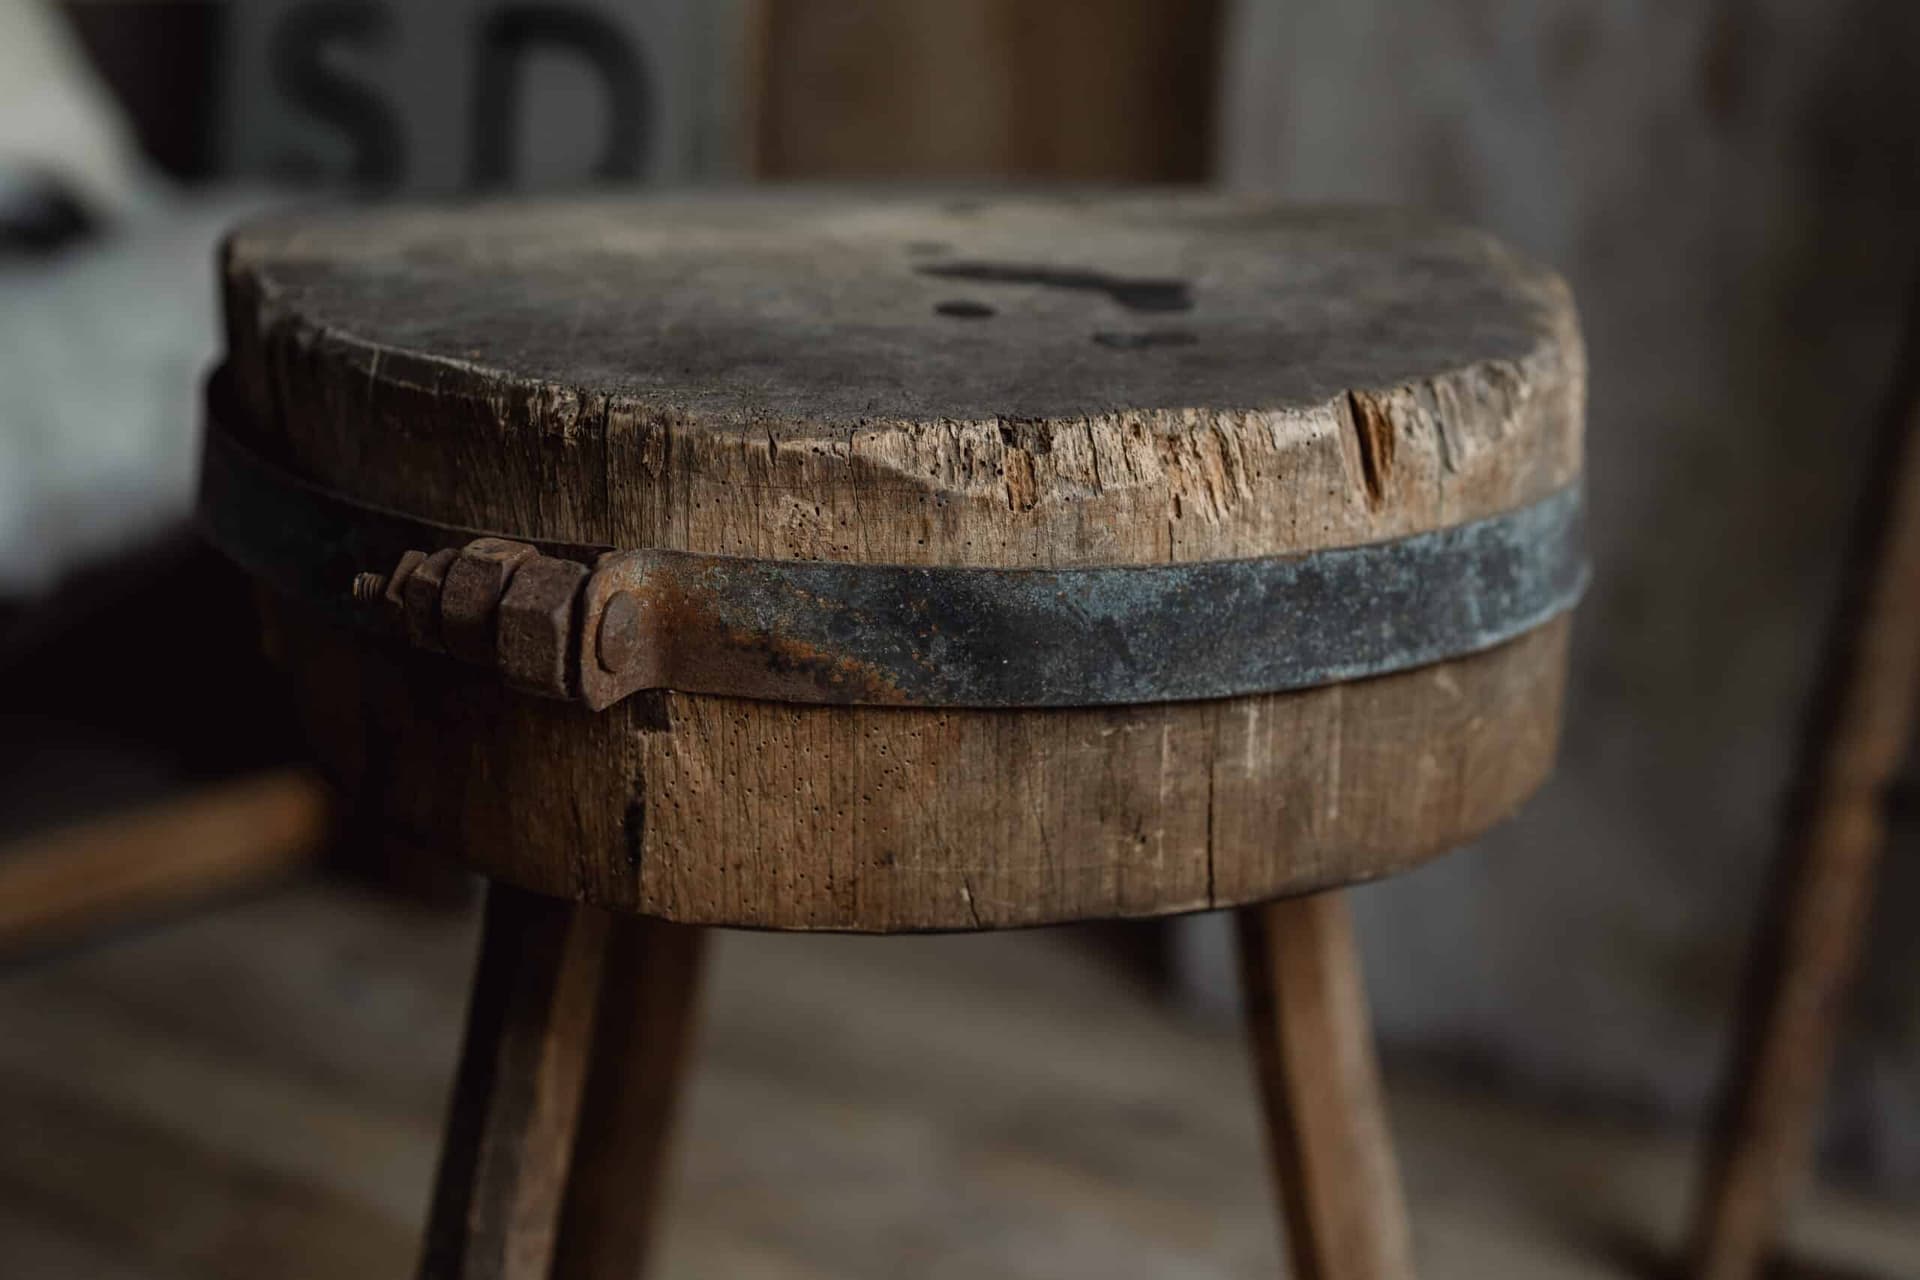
1055 379
802 308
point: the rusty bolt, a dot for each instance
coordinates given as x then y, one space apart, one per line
619 638
386 591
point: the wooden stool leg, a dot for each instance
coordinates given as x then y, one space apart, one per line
647 1001
1862 727
1320 1086
516 1097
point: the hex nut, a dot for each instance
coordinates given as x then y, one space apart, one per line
420 594
470 597
536 625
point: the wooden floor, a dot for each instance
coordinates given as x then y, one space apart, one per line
255 1092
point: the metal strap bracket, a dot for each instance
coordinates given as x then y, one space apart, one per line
596 624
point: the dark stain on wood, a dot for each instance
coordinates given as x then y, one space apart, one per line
633 825
1145 338
1133 293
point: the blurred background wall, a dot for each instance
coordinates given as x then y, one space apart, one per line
1731 186
1733 189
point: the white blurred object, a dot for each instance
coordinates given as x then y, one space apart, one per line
55 119
101 355
102 344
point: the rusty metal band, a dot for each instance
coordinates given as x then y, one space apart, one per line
957 636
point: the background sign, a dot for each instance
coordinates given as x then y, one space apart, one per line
482 93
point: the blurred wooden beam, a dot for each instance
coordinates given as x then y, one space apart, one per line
1113 90
56 885
1860 729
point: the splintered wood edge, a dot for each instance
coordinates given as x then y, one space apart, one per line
1407 447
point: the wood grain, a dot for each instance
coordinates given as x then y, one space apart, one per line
771 376
517 1093
1319 1086
642 1039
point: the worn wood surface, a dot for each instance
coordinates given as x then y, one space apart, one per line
517 1094
783 376
1319 1087
648 1007
1860 730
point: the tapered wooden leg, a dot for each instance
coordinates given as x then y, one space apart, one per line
647 1007
1757 1155
1861 729
1320 1085
517 1093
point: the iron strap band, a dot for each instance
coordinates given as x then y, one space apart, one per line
955 636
